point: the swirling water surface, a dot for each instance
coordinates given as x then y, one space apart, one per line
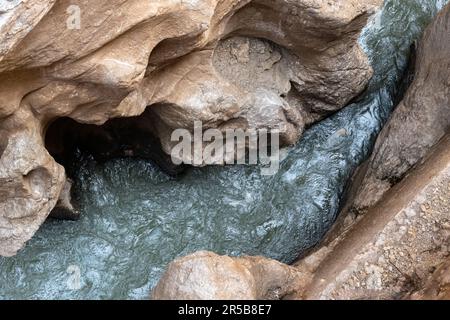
136 220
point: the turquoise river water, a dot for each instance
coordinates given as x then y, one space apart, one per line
135 219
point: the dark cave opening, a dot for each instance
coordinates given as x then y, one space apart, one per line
66 139
117 138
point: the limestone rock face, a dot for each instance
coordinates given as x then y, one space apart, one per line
17 19
208 276
228 63
420 120
30 180
399 248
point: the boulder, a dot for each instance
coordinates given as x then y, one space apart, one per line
208 276
30 180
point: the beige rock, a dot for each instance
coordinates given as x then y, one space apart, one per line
177 58
208 276
437 287
30 180
64 209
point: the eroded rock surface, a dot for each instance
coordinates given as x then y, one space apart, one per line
437 287
420 120
30 180
393 249
175 57
208 276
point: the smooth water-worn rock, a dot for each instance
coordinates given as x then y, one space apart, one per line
64 209
136 220
208 276
97 60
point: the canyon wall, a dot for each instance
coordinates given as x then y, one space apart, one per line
397 246
276 65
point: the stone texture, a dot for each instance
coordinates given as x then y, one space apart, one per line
437 286
208 276
172 56
17 19
392 250
30 180
420 120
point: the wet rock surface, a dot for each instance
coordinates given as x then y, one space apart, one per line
64 209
